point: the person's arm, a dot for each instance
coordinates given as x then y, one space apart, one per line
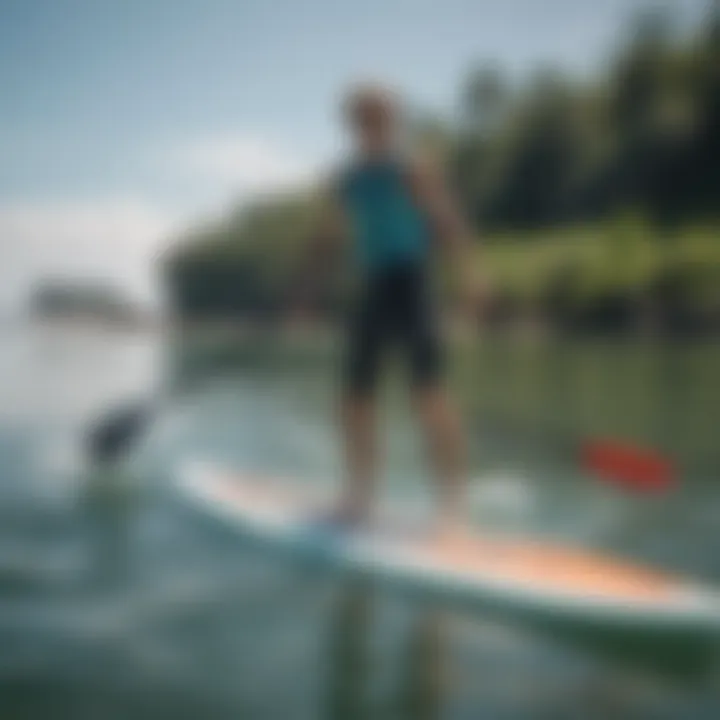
433 196
449 228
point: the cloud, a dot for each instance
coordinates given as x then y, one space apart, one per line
244 164
114 240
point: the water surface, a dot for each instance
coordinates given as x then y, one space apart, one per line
120 602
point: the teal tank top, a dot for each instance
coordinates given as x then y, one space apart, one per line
388 227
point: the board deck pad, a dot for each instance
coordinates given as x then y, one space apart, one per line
514 571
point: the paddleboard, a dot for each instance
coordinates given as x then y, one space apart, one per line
512 572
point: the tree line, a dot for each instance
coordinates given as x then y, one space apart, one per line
596 200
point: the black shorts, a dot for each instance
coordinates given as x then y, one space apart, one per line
395 309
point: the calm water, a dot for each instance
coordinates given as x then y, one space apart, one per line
121 603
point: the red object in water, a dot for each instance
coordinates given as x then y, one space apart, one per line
637 468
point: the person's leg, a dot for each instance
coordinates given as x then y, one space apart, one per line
438 416
445 441
360 441
358 406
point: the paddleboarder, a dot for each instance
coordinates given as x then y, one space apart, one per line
396 212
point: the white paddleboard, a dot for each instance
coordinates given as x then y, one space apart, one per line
513 572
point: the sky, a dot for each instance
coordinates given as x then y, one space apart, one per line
124 121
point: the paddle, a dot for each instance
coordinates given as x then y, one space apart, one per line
637 469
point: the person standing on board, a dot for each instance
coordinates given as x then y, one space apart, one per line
394 211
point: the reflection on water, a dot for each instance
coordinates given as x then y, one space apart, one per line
349 657
419 668
108 508
117 601
421 692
